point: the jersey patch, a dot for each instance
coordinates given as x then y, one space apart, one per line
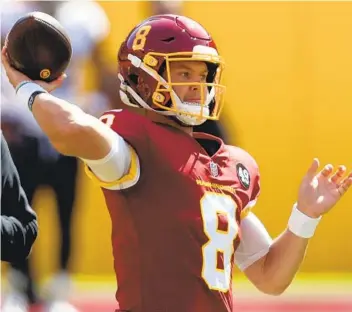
214 171
243 175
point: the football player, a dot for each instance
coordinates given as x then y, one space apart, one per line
180 202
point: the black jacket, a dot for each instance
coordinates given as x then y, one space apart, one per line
19 227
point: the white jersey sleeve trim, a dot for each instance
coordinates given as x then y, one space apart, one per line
119 169
255 242
247 209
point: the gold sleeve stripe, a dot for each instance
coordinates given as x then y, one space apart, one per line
129 178
245 213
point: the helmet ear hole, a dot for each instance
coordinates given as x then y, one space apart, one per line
211 72
162 69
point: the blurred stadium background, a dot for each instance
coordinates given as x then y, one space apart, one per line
288 74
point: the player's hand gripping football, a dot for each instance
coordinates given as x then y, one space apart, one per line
15 77
320 191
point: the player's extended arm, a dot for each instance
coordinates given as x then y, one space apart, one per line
73 132
269 265
70 130
318 193
274 272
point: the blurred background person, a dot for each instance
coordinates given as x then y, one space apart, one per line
38 163
19 226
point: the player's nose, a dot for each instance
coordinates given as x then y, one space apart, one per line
196 86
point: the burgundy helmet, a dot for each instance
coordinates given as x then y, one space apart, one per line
144 68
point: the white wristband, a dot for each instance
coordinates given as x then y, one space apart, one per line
26 92
302 225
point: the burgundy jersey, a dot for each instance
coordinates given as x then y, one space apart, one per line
174 232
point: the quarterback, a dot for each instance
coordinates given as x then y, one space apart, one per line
180 202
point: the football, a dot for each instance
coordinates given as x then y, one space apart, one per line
38 46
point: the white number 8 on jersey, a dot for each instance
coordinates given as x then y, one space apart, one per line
211 205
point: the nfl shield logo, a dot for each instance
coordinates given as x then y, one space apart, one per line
213 169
